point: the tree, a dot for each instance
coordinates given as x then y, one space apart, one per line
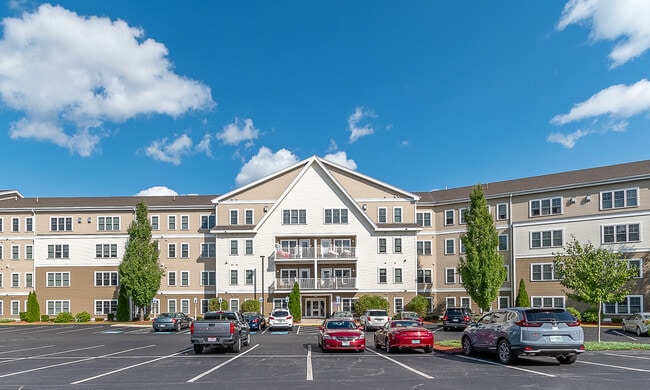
593 275
140 271
250 305
366 302
522 295
418 304
33 308
214 304
482 267
122 313
294 302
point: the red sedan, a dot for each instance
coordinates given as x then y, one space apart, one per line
341 334
404 334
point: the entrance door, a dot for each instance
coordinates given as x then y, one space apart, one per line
314 308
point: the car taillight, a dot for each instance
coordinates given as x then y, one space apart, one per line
192 328
445 318
574 323
173 320
466 318
526 324
271 318
255 320
289 317
232 328
369 319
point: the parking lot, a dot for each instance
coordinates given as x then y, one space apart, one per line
96 356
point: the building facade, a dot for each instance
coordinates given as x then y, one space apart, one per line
337 233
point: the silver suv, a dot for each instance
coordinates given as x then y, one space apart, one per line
374 319
526 332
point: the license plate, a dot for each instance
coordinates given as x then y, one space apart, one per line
454 320
345 343
555 339
162 325
212 339
415 341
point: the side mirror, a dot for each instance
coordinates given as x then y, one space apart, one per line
360 327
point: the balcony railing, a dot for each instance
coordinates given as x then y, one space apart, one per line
316 283
315 252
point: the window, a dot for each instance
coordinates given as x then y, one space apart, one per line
397 275
106 250
185 278
233 247
234 279
29 252
450 301
15 252
621 233
56 307
449 217
424 248
465 302
15 308
29 280
1 224
629 305
397 215
250 276
503 242
249 247
29 224
171 222
619 199
234 304
507 269
423 219
638 265
504 302
541 271
549 206
105 306
424 276
61 224
155 222
382 245
171 250
208 249
502 211
450 275
0 280
0 252
207 221
336 216
381 215
185 306
58 251
208 278
106 278
546 239
294 217
171 305
397 245
15 279
398 304
234 217
171 278
248 217
185 222
450 246
185 250
382 275
461 215
15 224
108 223
58 279
557 302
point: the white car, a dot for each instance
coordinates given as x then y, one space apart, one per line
638 323
280 318
374 319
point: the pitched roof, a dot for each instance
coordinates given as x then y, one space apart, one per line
186 201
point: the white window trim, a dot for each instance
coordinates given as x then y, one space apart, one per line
447 269
446 250
497 212
453 217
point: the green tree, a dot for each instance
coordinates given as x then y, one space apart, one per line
214 304
482 267
522 295
366 302
33 308
593 275
122 313
294 302
250 305
140 270
418 304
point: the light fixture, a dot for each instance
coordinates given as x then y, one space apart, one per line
588 198
90 219
364 207
79 220
572 200
266 208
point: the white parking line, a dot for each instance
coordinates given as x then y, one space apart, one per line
623 334
627 356
27 349
612 366
222 364
506 366
310 373
401 364
51 354
79 329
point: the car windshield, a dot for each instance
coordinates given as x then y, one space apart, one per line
549 315
249 314
377 313
166 315
455 312
340 314
402 324
220 316
341 325
280 313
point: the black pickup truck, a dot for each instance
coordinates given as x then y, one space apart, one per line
221 329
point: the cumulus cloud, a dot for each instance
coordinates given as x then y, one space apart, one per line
171 152
627 22
264 163
357 131
567 140
236 132
157 191
341 158
69 74
204 145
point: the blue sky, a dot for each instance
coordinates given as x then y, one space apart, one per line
109 98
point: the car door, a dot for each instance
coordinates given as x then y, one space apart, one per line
480 333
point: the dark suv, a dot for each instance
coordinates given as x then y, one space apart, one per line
456 318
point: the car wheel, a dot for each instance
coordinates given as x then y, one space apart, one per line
638 331
387 345
248 340
237 346
198 349
178 327
468 350
377 345
623 328
428 350
504 352
445 328
567 359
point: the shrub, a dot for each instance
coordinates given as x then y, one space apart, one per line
33 308
590 315
617 320
574 312
250 305
23 315
213 304
110 316
45 318
418 304
366 302
84 316
64 316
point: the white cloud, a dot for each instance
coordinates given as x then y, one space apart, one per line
204 145
173 152
68 74
157 191
627 22
567 140
233 133
357 131
264 163
333 146
341 158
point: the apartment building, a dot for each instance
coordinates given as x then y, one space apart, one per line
338 233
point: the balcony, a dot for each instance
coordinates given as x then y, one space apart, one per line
314 252
286 284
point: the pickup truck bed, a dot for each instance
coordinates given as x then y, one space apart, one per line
221 329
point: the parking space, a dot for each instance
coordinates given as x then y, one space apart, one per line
102 356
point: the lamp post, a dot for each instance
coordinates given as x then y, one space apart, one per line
262 306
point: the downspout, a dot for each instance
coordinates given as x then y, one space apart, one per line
513 264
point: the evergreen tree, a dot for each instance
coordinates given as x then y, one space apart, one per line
122 305
522 295
482 267
294 302
33 308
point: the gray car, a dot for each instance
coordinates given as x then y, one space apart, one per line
638 323
526 332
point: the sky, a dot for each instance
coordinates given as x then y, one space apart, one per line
124 98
